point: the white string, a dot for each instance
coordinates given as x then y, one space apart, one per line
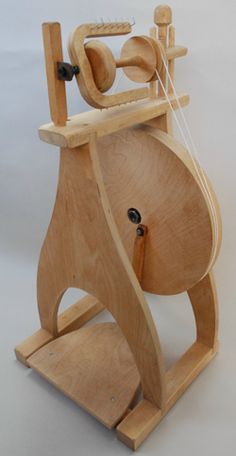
198 170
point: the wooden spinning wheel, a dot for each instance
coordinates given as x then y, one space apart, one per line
134 211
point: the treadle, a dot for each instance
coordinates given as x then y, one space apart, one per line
94 367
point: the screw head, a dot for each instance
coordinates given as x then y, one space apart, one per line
134 216
140 231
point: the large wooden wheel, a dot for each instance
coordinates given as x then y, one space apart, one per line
147 169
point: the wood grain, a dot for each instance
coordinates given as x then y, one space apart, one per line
162 18
111 161
139 253
204 302
156 176
85 79
93 366
81 126
56 88
83 249
72 318
171 63
138 424
141 421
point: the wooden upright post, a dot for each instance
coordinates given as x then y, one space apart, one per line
162 18
171 63
56 88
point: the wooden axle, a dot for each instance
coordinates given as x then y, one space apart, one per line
171 53
132 61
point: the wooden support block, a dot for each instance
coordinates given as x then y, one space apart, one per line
78 314
140 422
80 128
134 429
72 318
31 345
185 370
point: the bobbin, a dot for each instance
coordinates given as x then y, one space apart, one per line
139 59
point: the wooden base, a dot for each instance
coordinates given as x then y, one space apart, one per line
83 249
94 367
141 421
98 358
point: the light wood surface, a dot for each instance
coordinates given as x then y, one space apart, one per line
125 157
153 84
141 421
85 79
180 242
139 253
79 127
204 301
185 370
56 88
140 57
83 249
162 18
93 366
144 54
173 52
171 63
138 424
102 63
72 318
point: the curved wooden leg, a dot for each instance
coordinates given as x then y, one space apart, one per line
145 417
50 289
203 298
83 249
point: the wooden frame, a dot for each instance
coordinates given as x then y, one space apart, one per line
160 390
83 248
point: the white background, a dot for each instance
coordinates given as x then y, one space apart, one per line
35 419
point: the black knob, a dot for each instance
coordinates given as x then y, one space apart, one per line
134 215
66 71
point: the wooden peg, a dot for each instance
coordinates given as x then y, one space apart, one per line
139 251
56 88
171 63
162 18
153 85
